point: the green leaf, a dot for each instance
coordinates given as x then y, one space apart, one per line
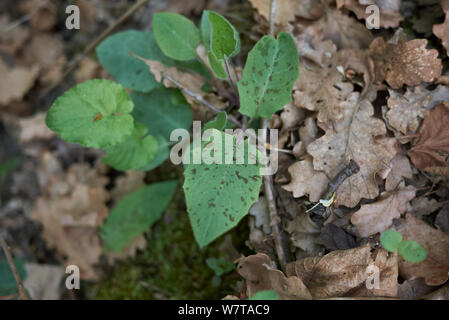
390 240
95 114
162 111
132 73
267 81
133 153
411 251
218 123
177 36
218 196
219 35
220 265
7 283
217 66
136 213
162 154
265 295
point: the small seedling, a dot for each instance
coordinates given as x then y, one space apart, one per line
410 250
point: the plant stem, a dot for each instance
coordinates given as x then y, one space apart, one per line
231 81
22 292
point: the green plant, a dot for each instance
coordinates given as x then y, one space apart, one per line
134 129
410 250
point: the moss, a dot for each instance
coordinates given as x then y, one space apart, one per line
172 266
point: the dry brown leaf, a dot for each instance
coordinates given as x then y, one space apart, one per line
423 206
406 109
352 137
431 147
390 15
13 39
16 82
126 184
413 289
304 234
378 216
260 275
42 17
284 10
400 168
292 116
34 128
259 211
407 62
306 180
345 272
441 30
440 294
70 210
435 269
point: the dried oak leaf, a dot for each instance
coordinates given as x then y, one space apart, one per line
431 147
15 82
345 273
335 238
407 62
353 137
378 216
400 168
390 15
406 109
441 31
435 268
306 180
260 275
70 210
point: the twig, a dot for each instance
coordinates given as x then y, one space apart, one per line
73 63
22 292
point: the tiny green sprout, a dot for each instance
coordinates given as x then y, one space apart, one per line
265 295
410 250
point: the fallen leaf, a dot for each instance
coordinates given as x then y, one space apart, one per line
335 238
260 212
306 181
407 62
16 82
441 31
400 169
406 109
390 15
284 10
413 289
43 282
440 294
378 216
344 272
292 116
13 39
431 147
423 206
34 128
260 275
442 219
353 137
435 268
42 15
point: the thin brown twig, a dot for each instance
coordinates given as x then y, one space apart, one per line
272 16
22 292
74 62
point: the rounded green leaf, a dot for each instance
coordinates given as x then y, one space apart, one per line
390 240
265 295
177 36
132 73
95 114
133 153
162 154
162 111
411 251
135 214
267 81
217 66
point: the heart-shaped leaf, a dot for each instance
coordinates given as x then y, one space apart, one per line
390 240
412 251
267 81
95 114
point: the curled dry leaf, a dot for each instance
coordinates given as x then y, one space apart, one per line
306 180
345 273
406 109
441 31
16 82
431 147
378 216
435 268
390 15
353 137
407 62
400 168
259 275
